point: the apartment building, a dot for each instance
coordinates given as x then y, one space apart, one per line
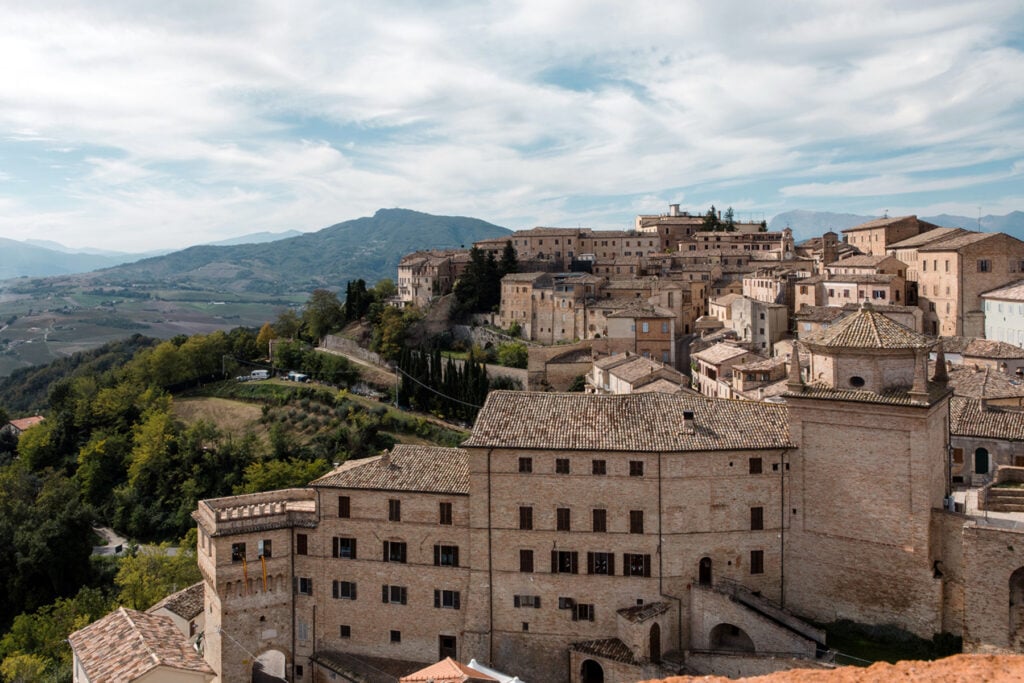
1004 313
875 237
425 275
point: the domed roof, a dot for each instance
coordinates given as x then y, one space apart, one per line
869 329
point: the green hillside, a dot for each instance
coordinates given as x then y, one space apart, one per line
368 248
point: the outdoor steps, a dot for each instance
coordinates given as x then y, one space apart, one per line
1004 499
772 611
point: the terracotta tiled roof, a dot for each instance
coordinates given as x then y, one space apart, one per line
719 353
861 278
933 235
126 644
819 314
642 310
992 349
23 423
447 671
640 613
661 385
428 469
632 422
766 364
611 648
879 223
959 241
1010 292
525 277
869 329
968 418
972 382
725 299
187 604
896 397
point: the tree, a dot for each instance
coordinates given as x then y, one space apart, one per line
21 668
389 334
384 290
281 474
267 334
513 354
710 220
509 260
288 324
150 574
323 314
730 222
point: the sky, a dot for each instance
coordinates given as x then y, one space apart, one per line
138 126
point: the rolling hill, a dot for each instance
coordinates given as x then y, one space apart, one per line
368 248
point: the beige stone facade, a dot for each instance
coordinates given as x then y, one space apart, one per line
875 237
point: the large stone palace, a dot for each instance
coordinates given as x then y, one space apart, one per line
579 537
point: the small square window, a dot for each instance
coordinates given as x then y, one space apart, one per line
445 513
526 465
394 551
344 631
755 465
237 552
562 465
394 510
636 468
263 548
305 585
396 636
599 467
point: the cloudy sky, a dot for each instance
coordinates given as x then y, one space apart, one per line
130 128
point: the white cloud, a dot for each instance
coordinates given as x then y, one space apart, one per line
223 119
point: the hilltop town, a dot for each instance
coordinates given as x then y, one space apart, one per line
763 439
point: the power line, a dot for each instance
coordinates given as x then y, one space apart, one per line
432 389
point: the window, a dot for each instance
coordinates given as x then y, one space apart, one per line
561 465
344 506
305 585
446 555
755 465
394 510
600 520
303 635
757 562
343 590
636 565
446 599
344 548
394 595
394 551
636 468
984 265
582 612
237 552
526 601
526 465
645 327
664 328
263 548
444 512
525 518
301 544
564 562
566 603
636 521
601 563
599 467
756 518
526 561
396 636
344 631
562 516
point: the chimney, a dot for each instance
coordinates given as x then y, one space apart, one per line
794 382
673 209
689 426
919 392
941 373
385 458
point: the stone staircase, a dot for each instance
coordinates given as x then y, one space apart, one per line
772 611
1002 499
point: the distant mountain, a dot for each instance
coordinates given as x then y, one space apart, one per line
367 248
255 238
807 224
21 258
57 246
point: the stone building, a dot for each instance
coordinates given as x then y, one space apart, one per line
1004 313
583 537
875 237
425 275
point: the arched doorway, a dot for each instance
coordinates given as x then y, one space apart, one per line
704 576
1017 609
591 672
981 461
655 643
729 637
269 667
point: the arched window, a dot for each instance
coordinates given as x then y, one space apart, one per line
981 461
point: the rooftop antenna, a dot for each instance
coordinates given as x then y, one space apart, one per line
979 219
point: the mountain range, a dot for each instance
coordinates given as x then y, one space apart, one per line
368 248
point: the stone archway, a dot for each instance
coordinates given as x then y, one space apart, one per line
1016 625
704 572
729 637
269 667
591 672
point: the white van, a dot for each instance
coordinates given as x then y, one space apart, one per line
297 377
260 374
